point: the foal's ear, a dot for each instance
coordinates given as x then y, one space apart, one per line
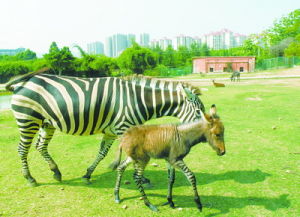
213 111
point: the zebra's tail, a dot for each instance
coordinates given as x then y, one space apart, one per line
117 161
23 78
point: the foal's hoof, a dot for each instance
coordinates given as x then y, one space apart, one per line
117 200
33 183
153 208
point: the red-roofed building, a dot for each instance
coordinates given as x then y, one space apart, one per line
223 64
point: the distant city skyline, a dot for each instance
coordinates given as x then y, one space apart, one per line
114 45
36 24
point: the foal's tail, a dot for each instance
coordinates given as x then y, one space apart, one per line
117 161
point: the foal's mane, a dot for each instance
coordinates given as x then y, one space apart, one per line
141 78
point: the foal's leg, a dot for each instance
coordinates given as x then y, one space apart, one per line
121 168
191 177
171 176
104 148
27 131
139 169
45 135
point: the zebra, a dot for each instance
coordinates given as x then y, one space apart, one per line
42 103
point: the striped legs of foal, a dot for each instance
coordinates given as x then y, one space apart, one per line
45 135
192 179
171 176
138 178
120 170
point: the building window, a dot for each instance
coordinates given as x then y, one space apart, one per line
211 69
241 69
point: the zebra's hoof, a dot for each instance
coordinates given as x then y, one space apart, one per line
117 200
86 181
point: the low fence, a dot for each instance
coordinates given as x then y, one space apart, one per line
277 63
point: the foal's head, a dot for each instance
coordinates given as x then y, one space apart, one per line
214 132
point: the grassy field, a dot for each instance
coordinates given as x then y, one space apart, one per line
258 176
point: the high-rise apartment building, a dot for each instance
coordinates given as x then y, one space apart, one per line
117 43
186 41
145 39
95 48
165 42
223 39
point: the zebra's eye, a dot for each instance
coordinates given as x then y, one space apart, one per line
198 112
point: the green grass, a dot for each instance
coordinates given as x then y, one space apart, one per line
258 176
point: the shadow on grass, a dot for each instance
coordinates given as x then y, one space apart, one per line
224 204
159 179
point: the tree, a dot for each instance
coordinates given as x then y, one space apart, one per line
169 57
137 59
294 47
60 60
183 56
26 55
204 50
104 66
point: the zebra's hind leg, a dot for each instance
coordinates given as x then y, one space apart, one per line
104 148
138 174
28 129
121 168
45 135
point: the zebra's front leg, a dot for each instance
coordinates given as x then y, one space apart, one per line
45 135
104 148
171 176
192 179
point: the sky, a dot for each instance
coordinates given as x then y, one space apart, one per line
34 24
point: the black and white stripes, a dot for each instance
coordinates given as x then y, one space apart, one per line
86 106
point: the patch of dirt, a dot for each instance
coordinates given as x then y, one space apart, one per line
254 98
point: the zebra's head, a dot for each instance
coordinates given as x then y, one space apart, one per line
191 110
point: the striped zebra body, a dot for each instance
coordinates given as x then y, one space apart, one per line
85 106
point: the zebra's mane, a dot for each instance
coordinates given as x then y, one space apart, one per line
20 78
142 78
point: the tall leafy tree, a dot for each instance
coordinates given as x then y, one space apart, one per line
137 59
26 55
169 57
60 60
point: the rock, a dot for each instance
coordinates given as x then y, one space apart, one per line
141 198
274 127
127 182
154 164
179 209
124 207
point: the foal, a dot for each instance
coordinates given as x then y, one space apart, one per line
169 142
